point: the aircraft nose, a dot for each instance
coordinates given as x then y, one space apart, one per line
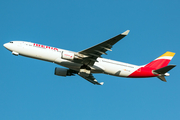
5 45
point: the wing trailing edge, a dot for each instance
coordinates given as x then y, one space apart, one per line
91 79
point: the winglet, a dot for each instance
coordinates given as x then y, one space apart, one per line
101 83
125 33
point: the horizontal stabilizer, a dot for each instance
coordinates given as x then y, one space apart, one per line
162 78
164 69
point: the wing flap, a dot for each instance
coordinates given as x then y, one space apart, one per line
91 79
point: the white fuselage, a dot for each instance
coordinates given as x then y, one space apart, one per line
54 55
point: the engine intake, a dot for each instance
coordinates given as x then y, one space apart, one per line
63 72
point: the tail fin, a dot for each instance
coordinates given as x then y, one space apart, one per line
160 65
161 61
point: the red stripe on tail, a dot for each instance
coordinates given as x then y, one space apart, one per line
157 64
160 62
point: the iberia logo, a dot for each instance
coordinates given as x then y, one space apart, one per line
43 46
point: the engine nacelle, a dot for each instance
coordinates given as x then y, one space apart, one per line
67 55
62 72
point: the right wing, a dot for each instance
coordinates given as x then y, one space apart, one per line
96 51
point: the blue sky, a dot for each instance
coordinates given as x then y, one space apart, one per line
30 90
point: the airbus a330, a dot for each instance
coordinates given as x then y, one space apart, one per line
86 62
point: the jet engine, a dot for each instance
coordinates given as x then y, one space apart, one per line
63 72
68 55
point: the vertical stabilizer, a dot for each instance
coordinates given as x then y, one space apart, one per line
161 61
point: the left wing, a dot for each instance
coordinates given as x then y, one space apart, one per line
91 79
96 51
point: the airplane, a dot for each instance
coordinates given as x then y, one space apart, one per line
86 62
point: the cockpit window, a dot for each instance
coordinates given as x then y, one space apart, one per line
11 42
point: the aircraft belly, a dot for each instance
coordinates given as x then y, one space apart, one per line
69 64
125 72
76 66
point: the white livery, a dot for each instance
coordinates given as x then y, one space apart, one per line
89 61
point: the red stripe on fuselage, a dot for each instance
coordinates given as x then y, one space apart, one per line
142 72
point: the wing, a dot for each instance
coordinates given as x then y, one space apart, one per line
96 51
91 79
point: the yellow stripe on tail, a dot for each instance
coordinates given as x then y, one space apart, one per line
167 54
